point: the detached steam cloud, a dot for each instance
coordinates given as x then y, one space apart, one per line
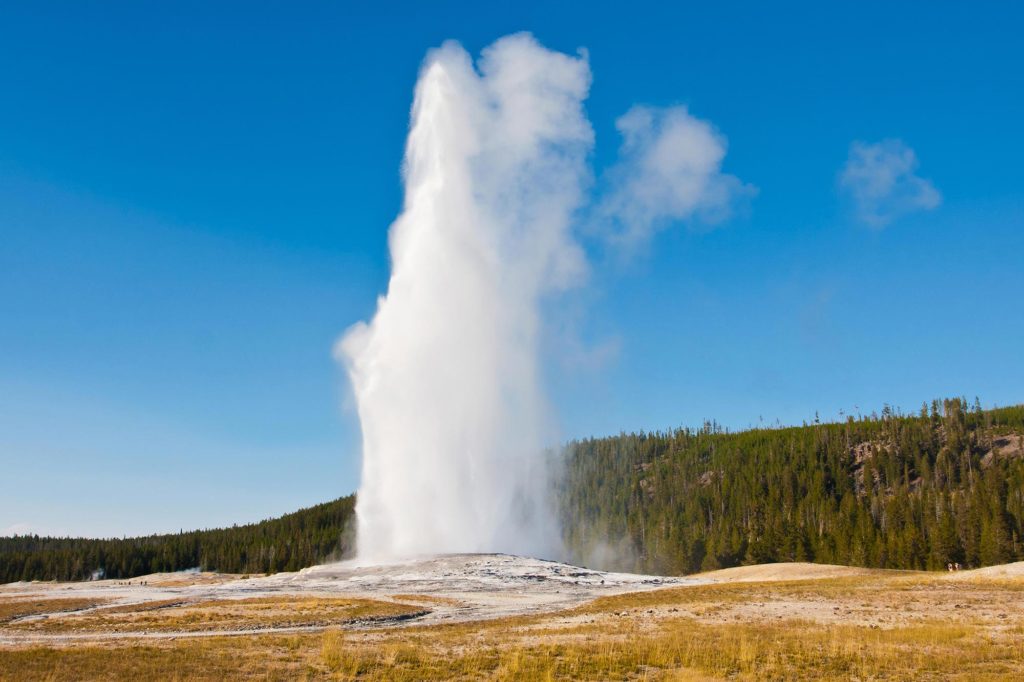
447 375
670 169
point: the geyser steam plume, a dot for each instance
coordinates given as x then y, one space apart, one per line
446 377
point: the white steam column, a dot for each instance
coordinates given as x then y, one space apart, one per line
447 376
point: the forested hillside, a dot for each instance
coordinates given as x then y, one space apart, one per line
893 491
288 543
888 491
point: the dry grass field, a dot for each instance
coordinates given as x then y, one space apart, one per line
14 609
230 615
774 622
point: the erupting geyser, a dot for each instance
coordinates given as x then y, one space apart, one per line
446 376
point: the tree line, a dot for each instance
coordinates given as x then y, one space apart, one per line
288 543
888 491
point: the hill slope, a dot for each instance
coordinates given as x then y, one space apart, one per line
886 492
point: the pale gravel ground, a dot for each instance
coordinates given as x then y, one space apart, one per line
473 587
790 571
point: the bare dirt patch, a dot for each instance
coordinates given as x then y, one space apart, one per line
1009 446
789 571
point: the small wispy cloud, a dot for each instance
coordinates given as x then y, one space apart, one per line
16 529
670 169
882 182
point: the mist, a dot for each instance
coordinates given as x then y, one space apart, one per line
446 376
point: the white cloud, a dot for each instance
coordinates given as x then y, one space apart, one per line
882 182
670 169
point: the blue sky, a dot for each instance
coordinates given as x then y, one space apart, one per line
194 203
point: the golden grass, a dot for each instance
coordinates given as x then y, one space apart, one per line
265 657
680 650
790 650
427 599
143 606
17 608
226 615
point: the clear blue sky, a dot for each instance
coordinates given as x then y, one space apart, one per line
194 200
